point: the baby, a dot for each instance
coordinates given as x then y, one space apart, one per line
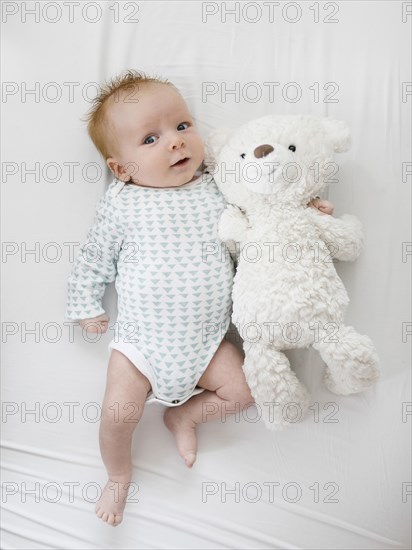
174 301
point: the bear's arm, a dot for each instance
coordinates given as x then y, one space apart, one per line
233 225
344 234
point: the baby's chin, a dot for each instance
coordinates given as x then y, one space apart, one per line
167 185
175 184
182 182
176 180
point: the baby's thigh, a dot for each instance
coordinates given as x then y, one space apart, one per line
124 383
224 374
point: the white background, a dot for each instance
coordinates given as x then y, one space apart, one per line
365 57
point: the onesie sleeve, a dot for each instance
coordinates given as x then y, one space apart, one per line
96 263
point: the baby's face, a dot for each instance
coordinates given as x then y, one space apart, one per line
152 131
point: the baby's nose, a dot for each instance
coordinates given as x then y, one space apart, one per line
263 150
177 141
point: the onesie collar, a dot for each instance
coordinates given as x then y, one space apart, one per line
117 185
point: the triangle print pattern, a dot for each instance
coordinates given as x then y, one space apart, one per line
173 277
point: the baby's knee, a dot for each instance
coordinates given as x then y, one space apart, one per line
121 416
246 397
241 396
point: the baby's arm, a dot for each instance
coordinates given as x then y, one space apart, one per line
95 267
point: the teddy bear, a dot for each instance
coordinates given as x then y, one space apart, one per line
286 291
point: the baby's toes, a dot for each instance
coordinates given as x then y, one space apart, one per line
190 458
99 512
118 518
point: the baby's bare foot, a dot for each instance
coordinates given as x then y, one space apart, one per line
111 504
184 430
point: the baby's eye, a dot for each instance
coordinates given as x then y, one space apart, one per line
243 155
183 124
292 148
147 140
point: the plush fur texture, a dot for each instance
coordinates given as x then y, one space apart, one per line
286 291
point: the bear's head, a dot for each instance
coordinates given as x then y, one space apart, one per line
284 160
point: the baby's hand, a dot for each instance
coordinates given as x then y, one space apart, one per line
96 324
324 207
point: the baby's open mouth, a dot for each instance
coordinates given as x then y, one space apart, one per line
181 162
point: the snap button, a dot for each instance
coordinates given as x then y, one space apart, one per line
176 401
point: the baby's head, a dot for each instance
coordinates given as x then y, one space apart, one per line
145 132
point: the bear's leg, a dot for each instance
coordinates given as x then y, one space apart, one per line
351 360
277 391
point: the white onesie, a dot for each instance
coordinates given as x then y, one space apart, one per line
173 280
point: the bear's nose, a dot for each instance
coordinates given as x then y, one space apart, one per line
262 151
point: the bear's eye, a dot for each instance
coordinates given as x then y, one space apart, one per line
243 155
292 148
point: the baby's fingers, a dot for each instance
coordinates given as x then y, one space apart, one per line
96 328
323 206
326 207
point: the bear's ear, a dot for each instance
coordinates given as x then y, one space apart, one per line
215 142
338 133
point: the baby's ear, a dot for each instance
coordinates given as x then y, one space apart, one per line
338 133
215 142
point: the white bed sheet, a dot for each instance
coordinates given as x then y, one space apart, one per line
365 456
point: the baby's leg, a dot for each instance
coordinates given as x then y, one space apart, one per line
227 393
124 399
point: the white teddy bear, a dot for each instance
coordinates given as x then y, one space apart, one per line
286 291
